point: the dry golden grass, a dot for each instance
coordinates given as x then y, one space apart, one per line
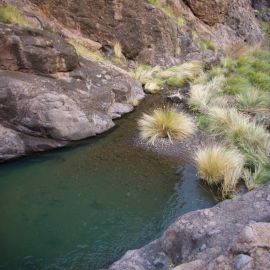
85 52
220 166
202 94
165 123
117 48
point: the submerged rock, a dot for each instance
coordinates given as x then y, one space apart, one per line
235 234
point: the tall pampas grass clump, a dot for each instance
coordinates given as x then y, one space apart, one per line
220 166
165 123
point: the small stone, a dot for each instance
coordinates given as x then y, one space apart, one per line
208 213
268 198
243 262
220 259
214 232
247 234
212 224
203 247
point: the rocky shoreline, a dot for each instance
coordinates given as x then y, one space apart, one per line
234 234
51 97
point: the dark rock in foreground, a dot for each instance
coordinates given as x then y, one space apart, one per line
235 234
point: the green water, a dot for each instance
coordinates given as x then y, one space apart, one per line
83 207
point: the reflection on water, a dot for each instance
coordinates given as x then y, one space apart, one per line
84 207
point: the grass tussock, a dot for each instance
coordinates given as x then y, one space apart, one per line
220 166
117 48
168 11
253 99
202 94
155 78
85 52
226 99
207 45
10 14
165 123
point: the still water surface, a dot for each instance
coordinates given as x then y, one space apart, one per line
83 207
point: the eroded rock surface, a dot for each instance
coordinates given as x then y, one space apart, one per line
164 34
235 234
210 11
49 97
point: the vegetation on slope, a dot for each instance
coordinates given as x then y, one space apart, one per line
155 78
225 100
168 11
10 14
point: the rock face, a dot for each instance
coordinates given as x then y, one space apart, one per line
235 234
210 11
35 51
49 97
160 34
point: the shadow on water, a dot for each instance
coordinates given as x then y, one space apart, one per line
84 206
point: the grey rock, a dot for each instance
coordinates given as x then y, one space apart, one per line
243 262
41 112
11 144
33 50
182 242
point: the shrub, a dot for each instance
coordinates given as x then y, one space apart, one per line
10 14
165 123
220 166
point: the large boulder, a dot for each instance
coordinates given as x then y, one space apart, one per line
235 234
42 112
